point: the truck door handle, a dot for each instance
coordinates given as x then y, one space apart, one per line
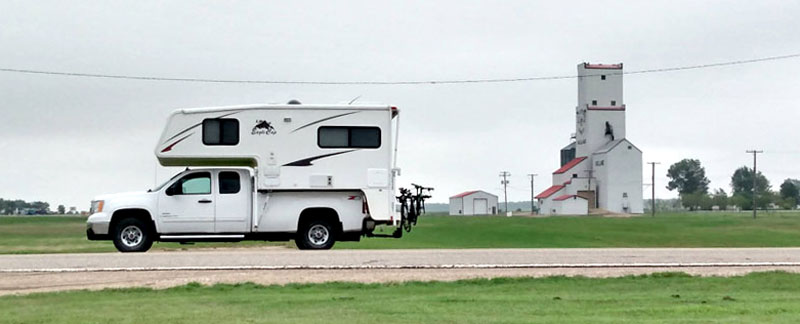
204 201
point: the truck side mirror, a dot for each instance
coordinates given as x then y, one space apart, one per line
172 190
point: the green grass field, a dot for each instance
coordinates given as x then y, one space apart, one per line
660 298
66 234
664 230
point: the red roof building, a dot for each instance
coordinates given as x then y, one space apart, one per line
565 197
549 192
473 202
465 193
570 165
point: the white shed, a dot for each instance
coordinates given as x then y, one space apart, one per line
571 205
476 202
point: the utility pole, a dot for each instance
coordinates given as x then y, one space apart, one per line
755 153
653 187
504 182
532 175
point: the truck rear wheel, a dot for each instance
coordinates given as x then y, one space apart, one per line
315 235
132 235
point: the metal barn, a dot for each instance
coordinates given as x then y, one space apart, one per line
476 202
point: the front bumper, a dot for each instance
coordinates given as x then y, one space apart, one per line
92 236
97 226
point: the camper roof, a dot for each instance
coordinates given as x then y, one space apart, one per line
280 107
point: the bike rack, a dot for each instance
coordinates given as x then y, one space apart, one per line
412 205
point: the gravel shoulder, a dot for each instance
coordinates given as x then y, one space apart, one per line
25 283
22 274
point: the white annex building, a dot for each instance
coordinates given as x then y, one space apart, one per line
601 168
473 203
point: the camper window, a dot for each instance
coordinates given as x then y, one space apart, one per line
369 137
221 131
348 137
229 182
333 137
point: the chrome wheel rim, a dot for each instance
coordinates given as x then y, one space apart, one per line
318 235
131 236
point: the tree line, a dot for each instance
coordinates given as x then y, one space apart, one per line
8 207
688 177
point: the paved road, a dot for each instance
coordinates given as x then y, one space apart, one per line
29 273
277 258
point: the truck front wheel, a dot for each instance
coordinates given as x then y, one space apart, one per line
132 235
315 235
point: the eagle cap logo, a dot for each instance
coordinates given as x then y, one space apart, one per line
263 127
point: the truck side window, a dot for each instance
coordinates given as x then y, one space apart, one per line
229 182
192 184
349 137
221 131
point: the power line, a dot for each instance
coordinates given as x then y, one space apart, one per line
411 82
783 151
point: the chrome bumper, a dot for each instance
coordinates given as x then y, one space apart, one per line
98 224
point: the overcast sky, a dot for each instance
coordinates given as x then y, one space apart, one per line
65 139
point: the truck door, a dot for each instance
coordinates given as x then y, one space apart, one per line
187 206
233 206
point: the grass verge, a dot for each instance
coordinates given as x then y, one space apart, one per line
716 229
768 297
67 234
60 234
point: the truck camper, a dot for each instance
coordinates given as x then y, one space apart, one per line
313 173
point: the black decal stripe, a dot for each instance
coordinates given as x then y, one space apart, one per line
307 161
322 120
194 126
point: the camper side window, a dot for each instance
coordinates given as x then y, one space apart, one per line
221 131
348 137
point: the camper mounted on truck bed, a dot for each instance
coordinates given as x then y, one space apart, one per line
313 173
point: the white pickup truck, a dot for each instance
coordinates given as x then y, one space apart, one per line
315 174
214 204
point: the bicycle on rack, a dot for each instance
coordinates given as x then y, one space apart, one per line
412 205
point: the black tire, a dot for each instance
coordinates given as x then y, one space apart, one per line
405 221
132 235
317 234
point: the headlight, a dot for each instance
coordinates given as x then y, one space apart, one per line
97 206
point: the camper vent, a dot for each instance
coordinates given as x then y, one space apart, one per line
293 102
